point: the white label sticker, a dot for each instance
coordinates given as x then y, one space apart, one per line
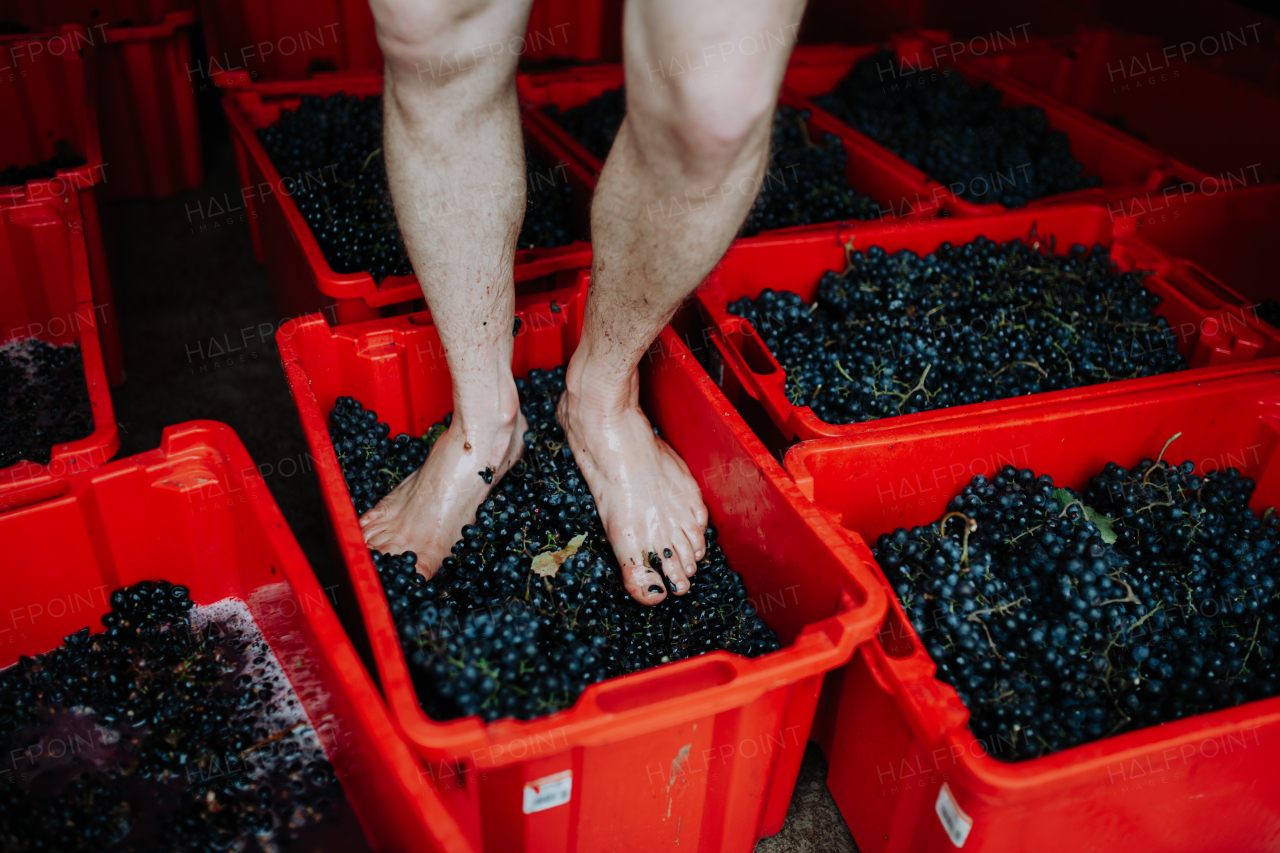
954 820
548 792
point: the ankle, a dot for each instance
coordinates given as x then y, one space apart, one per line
488 426
600 389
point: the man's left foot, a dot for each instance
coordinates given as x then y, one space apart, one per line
650 504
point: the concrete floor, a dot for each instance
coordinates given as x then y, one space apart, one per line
185 285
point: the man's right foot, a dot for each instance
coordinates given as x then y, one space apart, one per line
426 512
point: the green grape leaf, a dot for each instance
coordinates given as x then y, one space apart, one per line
1104 523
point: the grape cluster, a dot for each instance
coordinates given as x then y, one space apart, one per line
1061 619
958 134
144 737
64 157
488 635
594 123
45 400
329 154
804 183
896 334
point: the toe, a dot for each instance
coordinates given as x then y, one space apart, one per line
673 568
700 514
642 583
697 541
684 554
646 587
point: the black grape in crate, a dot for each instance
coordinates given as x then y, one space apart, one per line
490 636
956 133
903 333
172 730
64 157
45 400
332 146
805 182
1062 618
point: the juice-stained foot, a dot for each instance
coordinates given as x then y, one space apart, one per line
649 503
426 512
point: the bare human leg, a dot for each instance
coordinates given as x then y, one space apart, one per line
451 132
697 137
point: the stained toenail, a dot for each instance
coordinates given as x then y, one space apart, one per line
655 589
666 552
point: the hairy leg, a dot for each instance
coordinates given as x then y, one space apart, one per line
698 139
452 132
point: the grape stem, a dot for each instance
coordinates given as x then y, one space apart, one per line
1156 464
1131 597
1252 645
969 526
999 608
275 737
1033 363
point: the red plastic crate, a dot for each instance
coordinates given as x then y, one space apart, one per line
870 169
147 109
53 96
301 279
1233 37
1227 128
249 40
894 734
38 14
587 30
1220 238
668 759
197 512
1216 337
145 99
45 293
252 41
1125 165
976 20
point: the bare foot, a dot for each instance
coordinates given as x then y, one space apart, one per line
426 512
649 502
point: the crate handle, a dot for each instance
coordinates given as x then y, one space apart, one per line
630 694
1201 277
33 495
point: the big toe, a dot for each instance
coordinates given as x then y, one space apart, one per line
381 539
642 582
